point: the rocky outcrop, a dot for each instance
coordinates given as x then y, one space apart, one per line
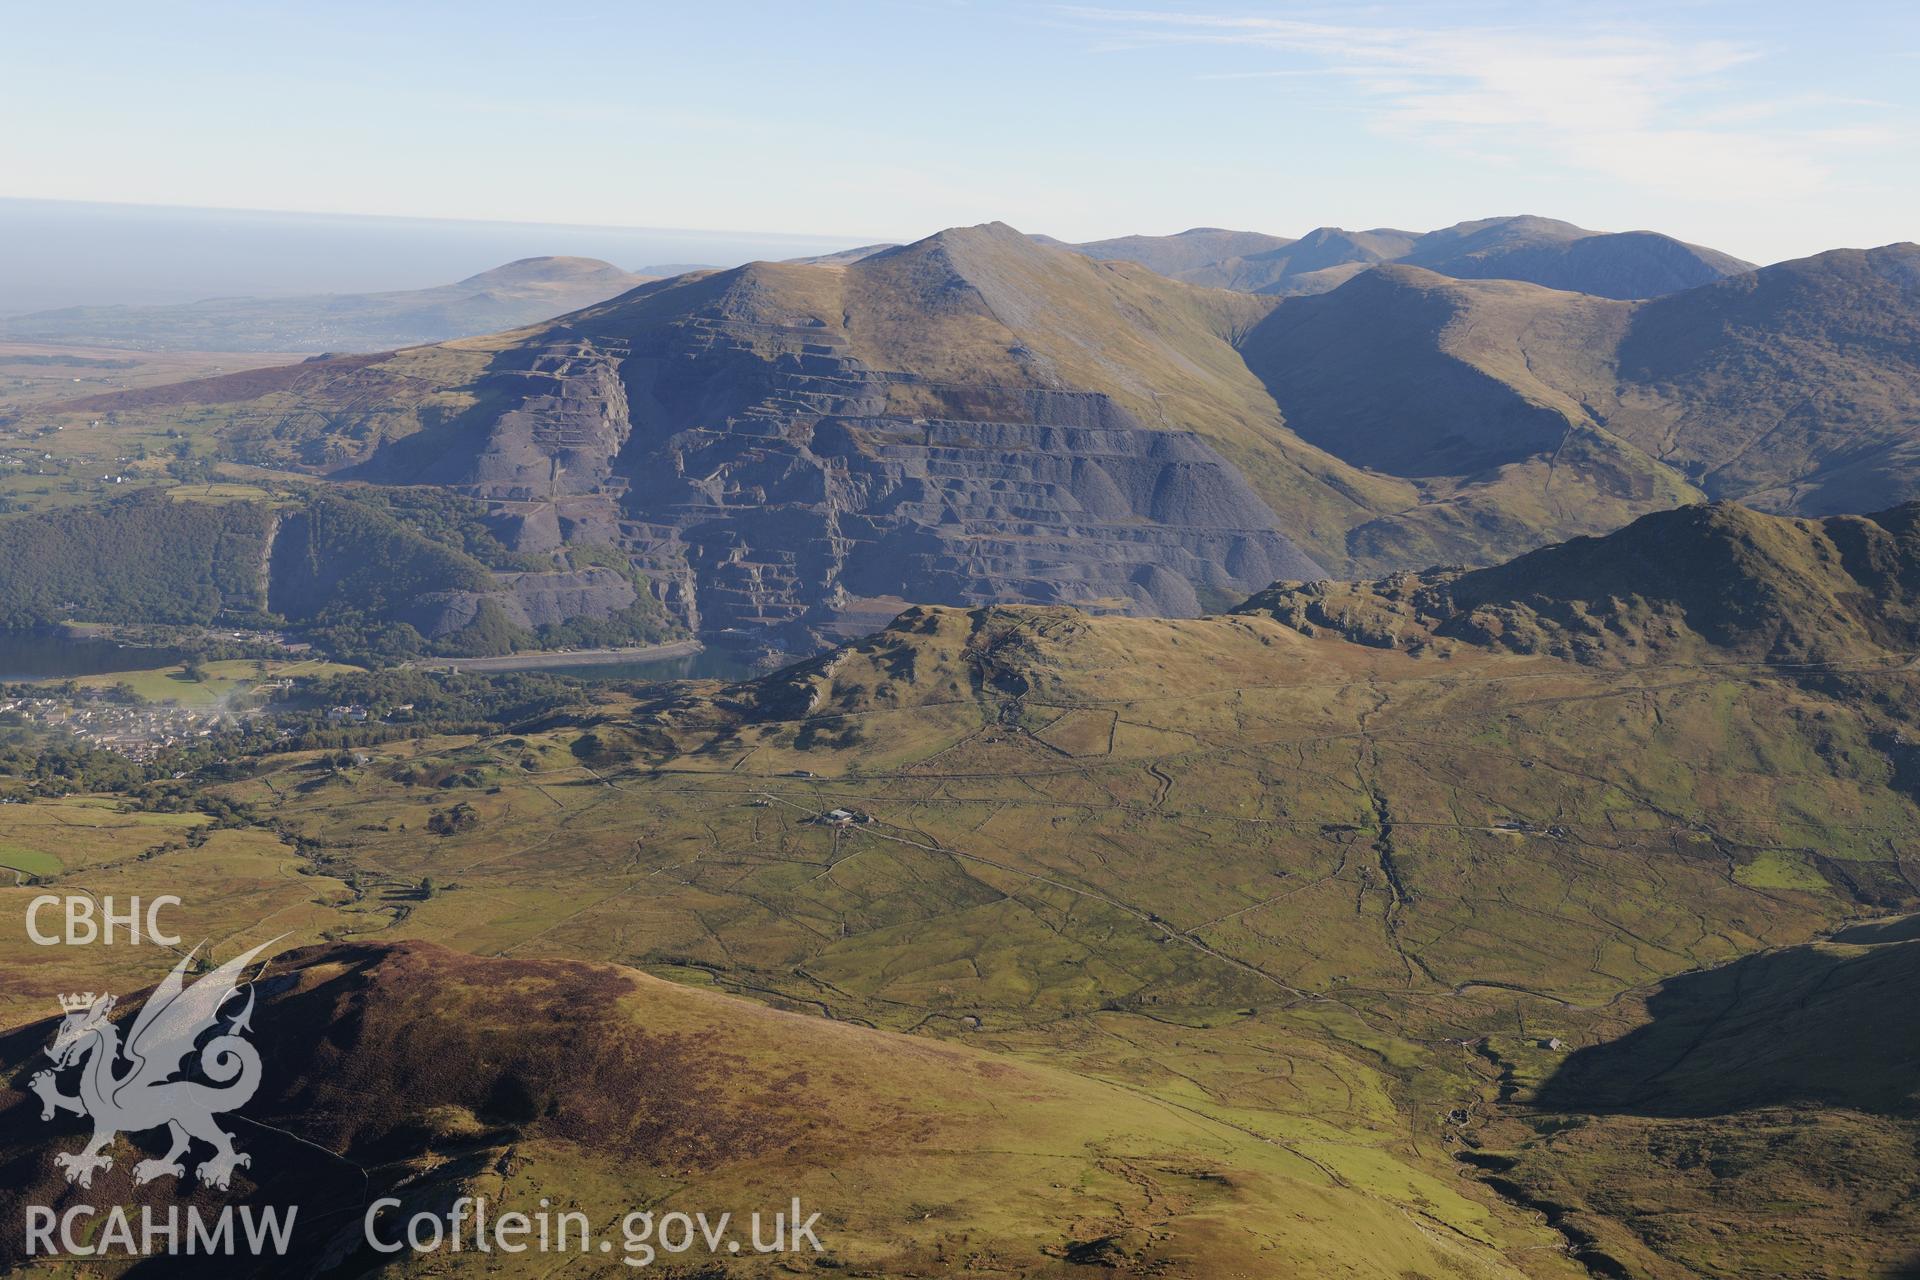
1716 583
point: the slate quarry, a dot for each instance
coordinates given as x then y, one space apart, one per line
776 490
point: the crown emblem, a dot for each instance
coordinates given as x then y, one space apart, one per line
77 1003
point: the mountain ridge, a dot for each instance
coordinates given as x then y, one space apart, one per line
1544 251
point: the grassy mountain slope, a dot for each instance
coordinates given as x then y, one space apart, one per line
1253 262
1701 582
602 1089
1543 251
1333 895
1117 329
1478 392
504 297
1205 256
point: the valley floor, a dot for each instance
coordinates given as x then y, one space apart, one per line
1351 923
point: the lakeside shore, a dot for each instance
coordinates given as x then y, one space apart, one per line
550 658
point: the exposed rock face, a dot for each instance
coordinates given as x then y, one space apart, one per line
566 421
1076 505
779 483
816 502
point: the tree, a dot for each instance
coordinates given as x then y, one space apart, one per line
446 822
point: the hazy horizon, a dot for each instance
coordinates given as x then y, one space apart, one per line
67 253
61 253
1763 129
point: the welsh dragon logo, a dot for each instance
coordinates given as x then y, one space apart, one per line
130 1088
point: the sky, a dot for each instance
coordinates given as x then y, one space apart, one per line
1764 128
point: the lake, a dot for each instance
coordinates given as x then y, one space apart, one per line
52 655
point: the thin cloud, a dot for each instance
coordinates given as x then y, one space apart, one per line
1638 106
1292 73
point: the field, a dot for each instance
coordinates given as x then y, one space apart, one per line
220 681
28 862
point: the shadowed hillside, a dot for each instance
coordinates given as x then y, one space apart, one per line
1771 1100
1394 370
1475 392
1804 1026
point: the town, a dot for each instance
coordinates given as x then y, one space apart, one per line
137 730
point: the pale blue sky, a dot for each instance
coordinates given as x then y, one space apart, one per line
1769 129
